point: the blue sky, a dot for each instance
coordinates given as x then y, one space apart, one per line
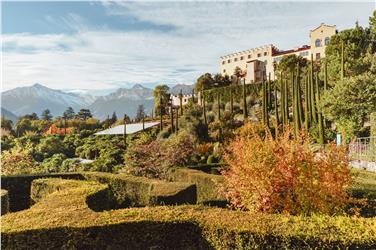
106 45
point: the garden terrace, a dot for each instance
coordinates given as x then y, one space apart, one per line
63 213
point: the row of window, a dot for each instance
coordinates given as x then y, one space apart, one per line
242 58
318 42
304 53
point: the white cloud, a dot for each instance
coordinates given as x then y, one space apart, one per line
90 59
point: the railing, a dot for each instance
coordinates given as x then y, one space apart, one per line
363 149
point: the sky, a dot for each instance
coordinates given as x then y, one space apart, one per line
107 45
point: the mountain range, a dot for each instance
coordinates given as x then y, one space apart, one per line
36 98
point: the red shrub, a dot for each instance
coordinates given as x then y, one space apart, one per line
285 174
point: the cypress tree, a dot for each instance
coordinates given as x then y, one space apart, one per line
219 104
177 121
287 113
312 94
125 131
320 119
172 120
325 86
295 115
306 113
276 103
342 61
160 113
245 111
204 110
231 102
265 114
298 97
282 100
181 101
269 92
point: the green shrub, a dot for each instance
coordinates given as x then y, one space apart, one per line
4 201
50 145
64 220
72 165
53 164
208 185
19 187
139 191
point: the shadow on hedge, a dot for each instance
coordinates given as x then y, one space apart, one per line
130 235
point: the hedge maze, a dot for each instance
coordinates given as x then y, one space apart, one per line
107 211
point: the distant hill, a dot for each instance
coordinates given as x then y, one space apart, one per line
36 98
123 101
186 88
9 115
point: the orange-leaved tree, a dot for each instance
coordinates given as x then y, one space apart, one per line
285 174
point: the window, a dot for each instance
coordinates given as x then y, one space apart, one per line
242 57
318 43
265 53
327 40
236 59
224 71
304 53
259 55
223 62
249 56
228 61
317 56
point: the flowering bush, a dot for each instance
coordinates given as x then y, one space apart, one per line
285 175
18 161
152 158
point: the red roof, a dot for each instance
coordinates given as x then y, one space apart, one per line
284 52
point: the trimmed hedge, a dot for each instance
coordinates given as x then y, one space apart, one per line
63 220
208 185
140 191
125 190
4 201
19 186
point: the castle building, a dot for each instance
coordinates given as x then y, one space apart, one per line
175 99
259 62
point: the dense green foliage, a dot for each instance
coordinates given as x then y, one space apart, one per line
350 102
69 217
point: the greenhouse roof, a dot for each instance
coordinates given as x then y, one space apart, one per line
130 129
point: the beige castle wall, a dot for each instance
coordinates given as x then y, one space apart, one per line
228 63
176 99
322 32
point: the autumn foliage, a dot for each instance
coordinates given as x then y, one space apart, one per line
153 158
285 174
